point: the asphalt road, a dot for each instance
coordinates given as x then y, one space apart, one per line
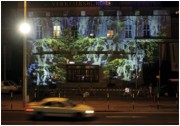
101 118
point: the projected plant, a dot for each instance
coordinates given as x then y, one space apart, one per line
79 58
112 66
118 53
58 74
151 51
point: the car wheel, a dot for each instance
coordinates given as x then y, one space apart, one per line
78 116
39 116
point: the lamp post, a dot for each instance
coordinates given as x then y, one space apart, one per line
25 28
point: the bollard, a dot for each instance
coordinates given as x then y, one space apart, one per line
108 100
64 93
83 98
177 100
11 100
59 93
157 100
133 101
35 94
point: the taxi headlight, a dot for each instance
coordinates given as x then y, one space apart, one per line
89 111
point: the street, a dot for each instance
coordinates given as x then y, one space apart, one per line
101 118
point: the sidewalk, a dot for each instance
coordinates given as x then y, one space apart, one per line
111 105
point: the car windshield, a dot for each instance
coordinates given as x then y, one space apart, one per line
12 83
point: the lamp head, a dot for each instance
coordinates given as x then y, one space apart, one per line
24 28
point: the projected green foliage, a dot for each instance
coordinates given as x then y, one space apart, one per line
79 58
112 65
58 73
151 51
59 59
56 45
117 52
83 43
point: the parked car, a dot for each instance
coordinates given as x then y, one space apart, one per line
168 90
61 107
9 87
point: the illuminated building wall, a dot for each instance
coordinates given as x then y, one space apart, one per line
107 41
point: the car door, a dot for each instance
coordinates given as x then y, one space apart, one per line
54 108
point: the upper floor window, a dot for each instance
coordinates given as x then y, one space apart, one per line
146 30
137 12
128 32
39 32
56 32
83 13
161 12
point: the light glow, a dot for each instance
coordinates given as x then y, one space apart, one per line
89 111
29 109
24 28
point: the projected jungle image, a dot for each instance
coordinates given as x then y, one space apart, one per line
107 41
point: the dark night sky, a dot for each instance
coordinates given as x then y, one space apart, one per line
12 40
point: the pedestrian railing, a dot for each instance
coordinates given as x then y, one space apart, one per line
104 98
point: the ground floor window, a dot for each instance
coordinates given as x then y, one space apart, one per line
82 73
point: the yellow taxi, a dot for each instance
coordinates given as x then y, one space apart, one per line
56 106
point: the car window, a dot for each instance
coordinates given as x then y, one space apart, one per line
12 83
60 104
54 104
47 104
70 103
6 84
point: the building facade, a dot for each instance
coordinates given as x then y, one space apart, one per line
98 43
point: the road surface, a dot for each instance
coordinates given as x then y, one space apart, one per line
101 118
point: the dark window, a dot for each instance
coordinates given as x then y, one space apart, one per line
82 73
6 84
39 32
128 31
146 30
47 104
61 104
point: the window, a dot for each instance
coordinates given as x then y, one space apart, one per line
47 104
48 14
146 30
57 104
54 104
56 32
39 32
83 13
128 31
101 13
82 73
137 12
160 12
118 13
6 84
110 33
61 104
30 14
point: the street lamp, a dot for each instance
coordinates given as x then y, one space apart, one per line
25 28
